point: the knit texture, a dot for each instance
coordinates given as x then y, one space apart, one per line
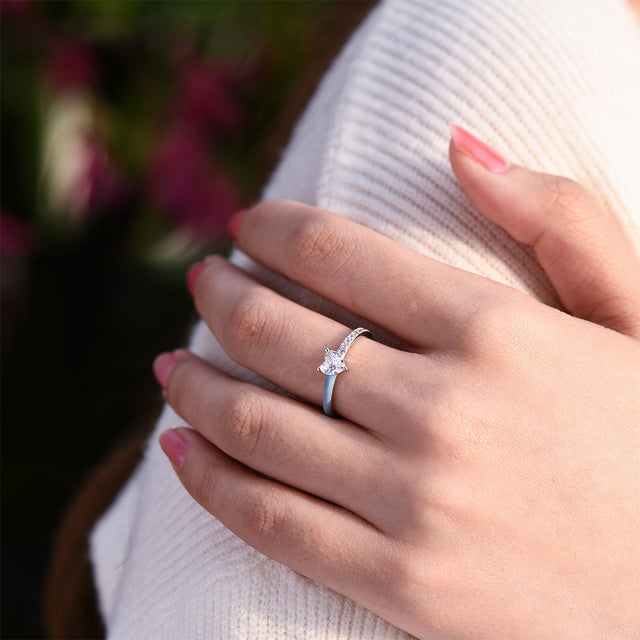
553 85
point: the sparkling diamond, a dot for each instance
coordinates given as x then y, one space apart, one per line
333 363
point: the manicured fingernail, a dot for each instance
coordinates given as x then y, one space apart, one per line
234 223
477 150
163 366
192 276
175 447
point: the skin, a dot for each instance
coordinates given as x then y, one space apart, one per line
484 481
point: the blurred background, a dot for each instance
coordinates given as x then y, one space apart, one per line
130 131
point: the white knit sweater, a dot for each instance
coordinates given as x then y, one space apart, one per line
552 84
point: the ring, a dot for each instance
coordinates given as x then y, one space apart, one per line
333 365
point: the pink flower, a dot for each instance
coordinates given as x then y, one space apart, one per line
72 66
206 101
186 185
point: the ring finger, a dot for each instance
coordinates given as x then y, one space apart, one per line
283 342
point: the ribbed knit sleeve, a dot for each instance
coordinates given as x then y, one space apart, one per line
554 85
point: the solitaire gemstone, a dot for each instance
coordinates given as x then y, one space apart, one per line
333 363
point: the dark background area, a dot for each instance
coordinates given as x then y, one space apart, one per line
130 132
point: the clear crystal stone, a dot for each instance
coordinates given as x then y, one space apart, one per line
333 363
334 360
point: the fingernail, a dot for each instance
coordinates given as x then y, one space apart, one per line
163 366
192 276
175 447
477 150
234 223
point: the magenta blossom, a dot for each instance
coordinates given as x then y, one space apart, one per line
72 66
206 101
185 184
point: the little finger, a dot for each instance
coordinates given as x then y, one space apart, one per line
281 437
315 538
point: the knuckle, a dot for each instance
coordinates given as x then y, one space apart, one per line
265 516
246 423
317 245
495 325
566 198
252 323
206 484
483 326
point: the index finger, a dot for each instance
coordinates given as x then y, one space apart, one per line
415 297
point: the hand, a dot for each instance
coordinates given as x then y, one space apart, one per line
485 479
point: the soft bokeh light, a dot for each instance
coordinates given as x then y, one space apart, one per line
131 131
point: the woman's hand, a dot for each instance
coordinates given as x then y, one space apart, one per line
485 479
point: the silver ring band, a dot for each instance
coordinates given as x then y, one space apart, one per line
333 365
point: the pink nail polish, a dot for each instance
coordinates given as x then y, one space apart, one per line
477 150
163 366
192 276
234 223
175 447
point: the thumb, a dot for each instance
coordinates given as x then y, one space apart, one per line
583 250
